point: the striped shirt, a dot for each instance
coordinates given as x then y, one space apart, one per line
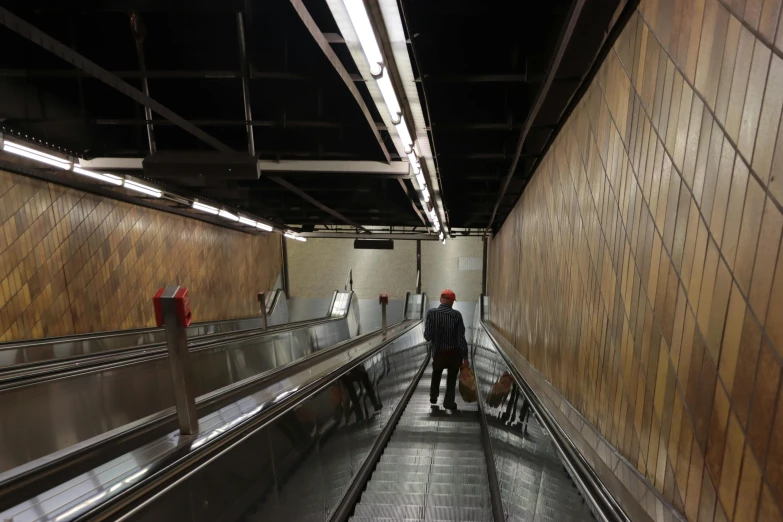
444 327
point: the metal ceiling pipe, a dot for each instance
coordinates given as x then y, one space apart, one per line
139 31
251 145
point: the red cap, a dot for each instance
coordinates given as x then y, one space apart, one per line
448 294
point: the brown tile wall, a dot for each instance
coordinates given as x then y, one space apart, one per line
640 272
73 262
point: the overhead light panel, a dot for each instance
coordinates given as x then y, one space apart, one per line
289 235
264 227
27 152
405 136
247 221
440 236
361 24
228 215
389 96
426 194
443 241
107 178
205 208
420 180
300 238
144 189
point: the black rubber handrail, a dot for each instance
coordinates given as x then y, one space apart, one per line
604 505
170 474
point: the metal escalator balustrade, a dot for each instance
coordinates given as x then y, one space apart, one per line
286 452
72 415
534 485
569 488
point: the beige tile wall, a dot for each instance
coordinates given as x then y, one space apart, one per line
640 272
73 262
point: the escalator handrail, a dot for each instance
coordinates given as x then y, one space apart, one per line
31 372
498 513
173 473
602 501
209 402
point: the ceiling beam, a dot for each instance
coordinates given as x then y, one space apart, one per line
306 197
165 74
375 235
395 169
322 42
36 36
554 65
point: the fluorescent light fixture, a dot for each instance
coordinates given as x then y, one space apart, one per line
138 187
300 238
361 24
443 241
405 136
426 194
389 96
289 235
246 221
440 236
264 227
420 181
228 215
205 208
27 152
108 178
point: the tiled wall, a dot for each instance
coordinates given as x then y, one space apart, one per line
640 272
72 262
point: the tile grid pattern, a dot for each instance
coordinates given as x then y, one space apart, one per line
640 271
73 262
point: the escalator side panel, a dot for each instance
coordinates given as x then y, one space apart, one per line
55 414
299 466
533 481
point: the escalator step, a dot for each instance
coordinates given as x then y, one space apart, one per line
457 514
396 512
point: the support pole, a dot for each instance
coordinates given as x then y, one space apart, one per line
262 304
172 310
384 300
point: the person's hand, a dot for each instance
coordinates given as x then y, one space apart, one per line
465 363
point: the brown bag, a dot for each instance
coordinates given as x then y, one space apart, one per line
467 384
500 390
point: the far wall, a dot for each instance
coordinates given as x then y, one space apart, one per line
318 267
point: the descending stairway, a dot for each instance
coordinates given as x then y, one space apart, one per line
433 467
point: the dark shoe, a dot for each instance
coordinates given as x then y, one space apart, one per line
377 406
433 401
451 406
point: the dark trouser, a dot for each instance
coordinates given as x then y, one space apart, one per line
445 360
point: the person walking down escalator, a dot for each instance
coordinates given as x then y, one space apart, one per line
445 329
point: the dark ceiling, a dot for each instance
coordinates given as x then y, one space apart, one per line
479 66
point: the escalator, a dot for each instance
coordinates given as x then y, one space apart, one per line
295 450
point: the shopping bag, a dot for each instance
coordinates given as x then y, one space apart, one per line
467 384
500 390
